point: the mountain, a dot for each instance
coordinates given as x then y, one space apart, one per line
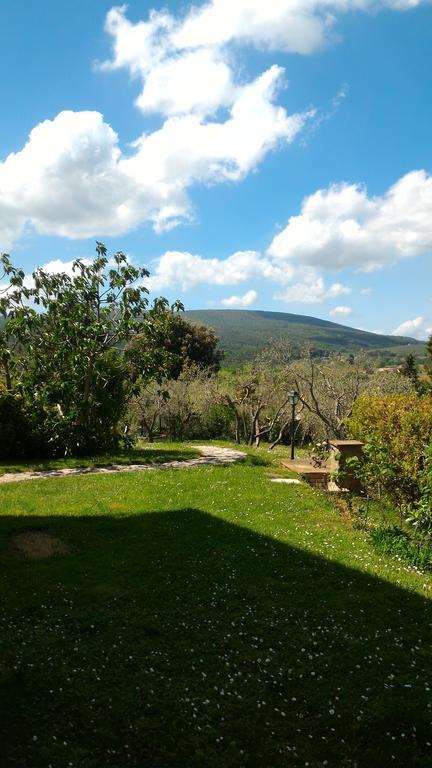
243 333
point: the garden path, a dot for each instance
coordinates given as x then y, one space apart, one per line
210 455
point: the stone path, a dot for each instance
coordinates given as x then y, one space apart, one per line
210 455
285 480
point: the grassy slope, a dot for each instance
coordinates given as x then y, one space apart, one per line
206 617
243 332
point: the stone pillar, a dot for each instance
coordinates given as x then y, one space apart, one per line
347 449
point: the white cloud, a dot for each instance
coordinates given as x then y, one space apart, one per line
186 270
195 81
57 266
68 180
366 291
419 328
312 290
174 81
139 46
186 63
298 26
246 300
186 149
71 178
340 311
342 226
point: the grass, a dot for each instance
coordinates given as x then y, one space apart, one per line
143 453
398 543
206 617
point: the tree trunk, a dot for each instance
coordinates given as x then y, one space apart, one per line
257 434
84 411
148 429
237 428
280 435
7 374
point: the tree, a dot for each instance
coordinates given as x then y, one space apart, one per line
176 408
429 348
70 330
328 390
410 370
258 397
146 409
185 344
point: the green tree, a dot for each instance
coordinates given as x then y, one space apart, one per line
185 344
62 341
410 370
429 348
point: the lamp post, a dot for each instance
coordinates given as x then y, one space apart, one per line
293 397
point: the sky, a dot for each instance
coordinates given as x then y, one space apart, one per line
252 155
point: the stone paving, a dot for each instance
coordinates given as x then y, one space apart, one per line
210 455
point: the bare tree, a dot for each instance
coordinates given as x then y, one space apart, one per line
328 389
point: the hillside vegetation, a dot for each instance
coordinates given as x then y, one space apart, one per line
243 333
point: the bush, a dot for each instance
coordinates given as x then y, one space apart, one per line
419 514
31 425
397 430
16 429
398 543
219 422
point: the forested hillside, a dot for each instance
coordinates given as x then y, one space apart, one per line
243 333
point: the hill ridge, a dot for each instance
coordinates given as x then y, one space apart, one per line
243 333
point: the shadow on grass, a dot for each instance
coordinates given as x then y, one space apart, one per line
179 640
155 455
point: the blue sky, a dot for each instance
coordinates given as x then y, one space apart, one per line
254 155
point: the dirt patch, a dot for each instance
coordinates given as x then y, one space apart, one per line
35 545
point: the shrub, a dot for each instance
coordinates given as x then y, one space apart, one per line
419 514
397 430
15 426
219 421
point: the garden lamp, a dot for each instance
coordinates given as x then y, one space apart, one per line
293 397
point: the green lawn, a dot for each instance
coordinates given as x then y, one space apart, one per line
206 617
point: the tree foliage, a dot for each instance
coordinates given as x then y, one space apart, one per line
252 404
185 344
397 430
61 346
409 369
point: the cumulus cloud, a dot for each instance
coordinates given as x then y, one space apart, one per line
186 270
185 62
183 270
419 328
240 302
186 149
344 227
311 290
174 80
290 25
340 311
71 178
